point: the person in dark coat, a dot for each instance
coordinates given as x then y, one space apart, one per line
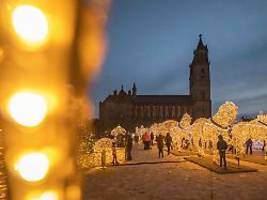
152 138
249 146
222 146
114 154
264 144
168 142
160 145
129 146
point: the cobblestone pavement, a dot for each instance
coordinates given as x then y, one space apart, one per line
183 180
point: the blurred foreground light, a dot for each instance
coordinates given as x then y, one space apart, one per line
49 196
30 24
28 109
33 167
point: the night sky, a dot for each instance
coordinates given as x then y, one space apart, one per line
151 42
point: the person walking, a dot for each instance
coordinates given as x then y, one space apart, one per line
160 145
152 137
168 142
129 146
146 140
263 146
222 146
114 154
249 146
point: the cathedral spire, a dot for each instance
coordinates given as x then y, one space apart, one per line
122 92
134 89
200 43
201 52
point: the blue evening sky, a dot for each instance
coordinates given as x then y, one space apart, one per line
151 42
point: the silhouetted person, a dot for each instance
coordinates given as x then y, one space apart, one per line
103 158
114 154
222 146
160 145
249 146
264 144
129 147
168 142
237 155
152 138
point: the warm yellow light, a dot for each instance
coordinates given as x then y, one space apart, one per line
49 195
30 24
28 109
33 167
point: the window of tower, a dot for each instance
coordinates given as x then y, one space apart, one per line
202 73
203 95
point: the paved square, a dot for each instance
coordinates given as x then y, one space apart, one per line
182 180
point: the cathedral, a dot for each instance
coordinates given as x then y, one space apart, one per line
130 109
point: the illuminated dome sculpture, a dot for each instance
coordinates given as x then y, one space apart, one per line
118 131
164 127
226 114
103 144
255 130
220 124
185 121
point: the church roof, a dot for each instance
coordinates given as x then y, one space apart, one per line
163 99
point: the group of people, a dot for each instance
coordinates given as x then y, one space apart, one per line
149 138
222 148
148 141
160 143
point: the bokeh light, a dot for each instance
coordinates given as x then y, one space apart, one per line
28 109
48 196
30 24
33 166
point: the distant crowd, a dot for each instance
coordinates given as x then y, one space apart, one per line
148 139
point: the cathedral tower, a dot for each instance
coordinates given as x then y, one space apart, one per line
200 81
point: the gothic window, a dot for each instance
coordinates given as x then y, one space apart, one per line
178 111
136 112
203 95
129 111
190 111
142 112
161 112
173 111
182 110
154 112
202 73
157 111
166 112
148 112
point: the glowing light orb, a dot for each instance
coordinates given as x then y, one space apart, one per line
33 167
30 24
28 109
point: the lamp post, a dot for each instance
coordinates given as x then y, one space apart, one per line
49 50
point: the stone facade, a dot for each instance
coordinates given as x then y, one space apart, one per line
131 109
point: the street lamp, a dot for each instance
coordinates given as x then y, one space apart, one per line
49 50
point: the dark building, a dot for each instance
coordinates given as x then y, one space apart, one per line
131 109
